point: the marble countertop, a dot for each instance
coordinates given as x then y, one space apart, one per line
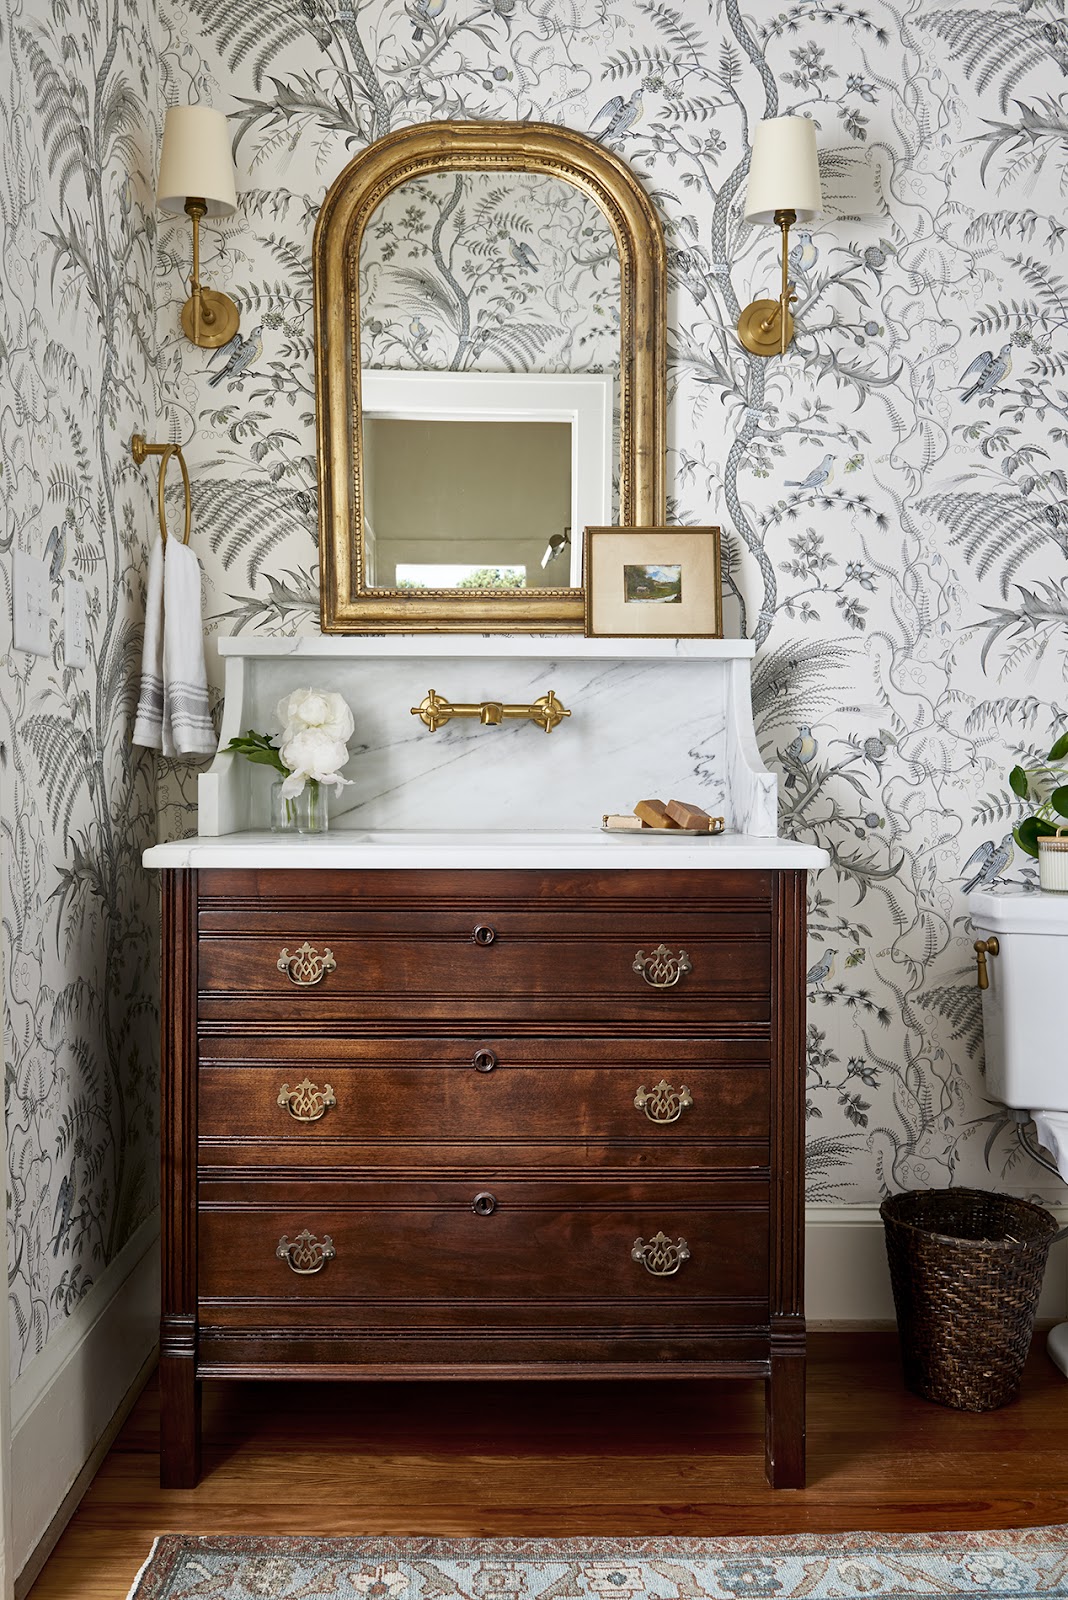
350 849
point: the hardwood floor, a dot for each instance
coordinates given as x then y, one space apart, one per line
662 1458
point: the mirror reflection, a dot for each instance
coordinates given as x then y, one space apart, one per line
491 273
505 522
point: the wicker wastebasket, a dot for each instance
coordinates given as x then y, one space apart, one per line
966 1267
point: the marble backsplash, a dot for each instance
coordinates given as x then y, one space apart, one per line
678 726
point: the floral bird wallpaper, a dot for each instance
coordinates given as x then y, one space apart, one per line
79 97
893 493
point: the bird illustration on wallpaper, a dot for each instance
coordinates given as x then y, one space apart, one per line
989 371
823 970
238 356
988 862
818 478
618 116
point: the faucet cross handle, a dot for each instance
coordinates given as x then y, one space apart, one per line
433 710
547 711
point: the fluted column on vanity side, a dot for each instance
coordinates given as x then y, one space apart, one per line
179 1466
785 1388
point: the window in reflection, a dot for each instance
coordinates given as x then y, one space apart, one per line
481 503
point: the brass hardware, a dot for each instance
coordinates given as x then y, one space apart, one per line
348 604
307 1102
306 966
209 317
766 327
660 1257
484 1061
435 711
483 935
485 1204
984 948
140 449
660 969
305 1254
662 1103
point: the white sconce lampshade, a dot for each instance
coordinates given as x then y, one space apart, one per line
196 160
784 173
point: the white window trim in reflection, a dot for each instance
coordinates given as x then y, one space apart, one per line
582 399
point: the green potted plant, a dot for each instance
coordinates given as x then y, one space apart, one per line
1043 782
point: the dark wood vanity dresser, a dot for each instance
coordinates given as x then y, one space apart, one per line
482 1124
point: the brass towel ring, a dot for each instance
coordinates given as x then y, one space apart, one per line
141 450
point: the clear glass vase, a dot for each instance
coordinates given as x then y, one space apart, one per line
313 808
283 810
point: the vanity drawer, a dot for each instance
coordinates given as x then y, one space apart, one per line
674 1102
352 1242
648 971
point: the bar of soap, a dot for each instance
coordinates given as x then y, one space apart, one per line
654 813
688 816
617 822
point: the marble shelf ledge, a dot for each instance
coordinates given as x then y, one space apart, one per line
495 850
486 646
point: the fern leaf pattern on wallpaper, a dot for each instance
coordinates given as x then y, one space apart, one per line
79 346
892 494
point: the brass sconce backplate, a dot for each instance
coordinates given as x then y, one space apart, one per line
760 330
219 325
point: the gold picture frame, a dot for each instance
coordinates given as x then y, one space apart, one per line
347 603
652 583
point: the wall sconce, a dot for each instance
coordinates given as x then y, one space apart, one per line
784 188
196 175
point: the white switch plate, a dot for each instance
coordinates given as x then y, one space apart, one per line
75 644
31 604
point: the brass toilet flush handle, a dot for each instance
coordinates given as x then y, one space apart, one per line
984 948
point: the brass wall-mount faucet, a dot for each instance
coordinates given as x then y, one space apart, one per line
435 711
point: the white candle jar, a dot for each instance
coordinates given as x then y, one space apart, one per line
1053 862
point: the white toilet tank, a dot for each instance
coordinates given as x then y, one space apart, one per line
1025 1009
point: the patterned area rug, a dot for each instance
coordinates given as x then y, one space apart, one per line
851 1566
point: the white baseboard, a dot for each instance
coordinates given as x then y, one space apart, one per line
847 1280
62 1406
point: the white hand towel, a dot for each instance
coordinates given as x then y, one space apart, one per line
187 729
148 724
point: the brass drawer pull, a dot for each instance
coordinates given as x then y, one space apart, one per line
484 1061
306 1254
660 1257
483 935
307 1102
660 969
306 966
662 1103
484 1205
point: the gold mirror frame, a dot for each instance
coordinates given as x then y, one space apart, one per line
346 605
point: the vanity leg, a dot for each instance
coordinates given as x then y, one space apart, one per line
784 1422
179 1415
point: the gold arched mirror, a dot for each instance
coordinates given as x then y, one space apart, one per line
490 368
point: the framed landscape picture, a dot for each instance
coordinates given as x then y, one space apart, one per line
653 583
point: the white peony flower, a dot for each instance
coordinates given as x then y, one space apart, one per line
312 754
315 709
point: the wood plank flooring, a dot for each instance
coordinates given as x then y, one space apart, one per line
559 1459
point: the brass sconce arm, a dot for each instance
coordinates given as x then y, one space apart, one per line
209 317
434 711
766 327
